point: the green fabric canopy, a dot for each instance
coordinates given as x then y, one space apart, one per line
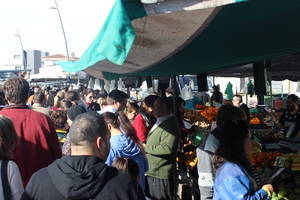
240 33
189 36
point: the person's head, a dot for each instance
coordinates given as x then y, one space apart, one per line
59 118
291 105
8 138
117 99
132 110
118 122
102 101
229 113
161 107
112 121
51 98
216 88
89 96
237 100
147 105
59 97
169 92
128 166
89 136
65 105
234 144
16 91
72 96
73 112
180 103
293 98
39 97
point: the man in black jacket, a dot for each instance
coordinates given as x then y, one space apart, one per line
84 174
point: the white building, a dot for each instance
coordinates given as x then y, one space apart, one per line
50 67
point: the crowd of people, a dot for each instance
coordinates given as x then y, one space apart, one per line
84 144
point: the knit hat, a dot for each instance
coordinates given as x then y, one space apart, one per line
74 111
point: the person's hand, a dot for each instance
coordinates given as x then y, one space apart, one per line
269 189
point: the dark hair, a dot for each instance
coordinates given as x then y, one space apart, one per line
170 91
2 98
116 96
50 100
65 104
240 97
72 96
293 98
88 91
16 90
229 112
39 97
232 144
164 104
149 100
120 121
179 102
59 118
86 128
127 165
8 138
74 111
132 107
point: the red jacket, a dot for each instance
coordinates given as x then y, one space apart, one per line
38 144
140 127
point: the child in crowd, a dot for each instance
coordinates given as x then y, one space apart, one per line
11 181
127 165
130 167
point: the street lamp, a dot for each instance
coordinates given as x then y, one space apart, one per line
62 27
23 54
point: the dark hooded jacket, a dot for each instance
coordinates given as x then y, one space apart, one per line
81 177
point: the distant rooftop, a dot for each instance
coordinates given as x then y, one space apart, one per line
59 57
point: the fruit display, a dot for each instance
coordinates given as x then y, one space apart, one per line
255 120
202 124
295 162
267 134
209 113
286 187
193 116
264 159
188 159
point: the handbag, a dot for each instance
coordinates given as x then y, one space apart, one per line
4 178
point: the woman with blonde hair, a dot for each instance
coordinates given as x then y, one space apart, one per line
59 97
11 182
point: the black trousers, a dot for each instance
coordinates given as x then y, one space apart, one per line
160 189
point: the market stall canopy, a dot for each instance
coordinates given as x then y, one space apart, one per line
287 67
189 36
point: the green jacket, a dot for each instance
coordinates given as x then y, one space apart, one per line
161 149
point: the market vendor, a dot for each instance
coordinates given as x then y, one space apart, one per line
217 96
238 102
290 120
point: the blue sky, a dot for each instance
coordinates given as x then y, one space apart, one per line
40 29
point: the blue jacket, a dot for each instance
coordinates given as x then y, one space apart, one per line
233 183
124 147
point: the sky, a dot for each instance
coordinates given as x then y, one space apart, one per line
40 28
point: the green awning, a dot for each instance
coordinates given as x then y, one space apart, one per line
206 39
